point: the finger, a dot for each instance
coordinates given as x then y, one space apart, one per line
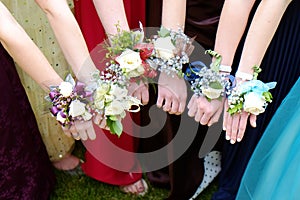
234 128
81 128
103 124
253 120
91 132
174 107
242 126
167 105
225 115
192 110
228 126
191 102
66 131
145 96
97 118
159 101
181 107
205 118
198 116
215 118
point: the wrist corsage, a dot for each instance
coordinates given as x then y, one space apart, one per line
206 81
250 96
128 50
110 97
171 51
69 102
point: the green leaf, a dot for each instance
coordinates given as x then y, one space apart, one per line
113 118
117 127
268 96
215 66
216 85
163 32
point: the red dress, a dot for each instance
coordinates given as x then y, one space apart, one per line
115 167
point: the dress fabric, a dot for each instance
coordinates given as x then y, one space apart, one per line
25 169
281 64
273 171
94 166
185 174
34 21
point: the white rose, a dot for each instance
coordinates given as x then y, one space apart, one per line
99 104
101 91
65 88
77 108
118 92
60 118
114 108
164 47
130 61
254 103
211 92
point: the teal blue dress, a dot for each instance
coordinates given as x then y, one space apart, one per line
273 171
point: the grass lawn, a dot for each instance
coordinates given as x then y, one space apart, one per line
84 188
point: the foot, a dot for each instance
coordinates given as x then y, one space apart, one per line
69 162
138 188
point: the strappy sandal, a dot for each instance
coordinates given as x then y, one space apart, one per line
125 189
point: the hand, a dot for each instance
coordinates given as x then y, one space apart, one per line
100 120
172 94
81 130
140 91
235 125
203 111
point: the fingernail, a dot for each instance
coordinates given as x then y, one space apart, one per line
254 124
238 139
227 137
224 128
232 141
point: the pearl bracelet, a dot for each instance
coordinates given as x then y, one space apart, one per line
225 68
244 76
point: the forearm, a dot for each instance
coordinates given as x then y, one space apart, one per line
173 14
111 13
69 36
261 32
231 27
25 52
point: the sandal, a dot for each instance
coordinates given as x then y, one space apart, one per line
139 188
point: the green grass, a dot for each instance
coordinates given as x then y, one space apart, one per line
84 188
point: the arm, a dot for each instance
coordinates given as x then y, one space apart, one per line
111 12
69 37
262 29
231 27
172 91
25 52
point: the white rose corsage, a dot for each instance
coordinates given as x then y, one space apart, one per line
250 96
110 97
129 50
70 102
171 51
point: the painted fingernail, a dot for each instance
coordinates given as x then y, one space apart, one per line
232 141
224 128
238 139
227 137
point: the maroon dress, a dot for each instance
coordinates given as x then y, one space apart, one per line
25 169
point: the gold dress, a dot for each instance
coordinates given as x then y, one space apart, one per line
34 21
